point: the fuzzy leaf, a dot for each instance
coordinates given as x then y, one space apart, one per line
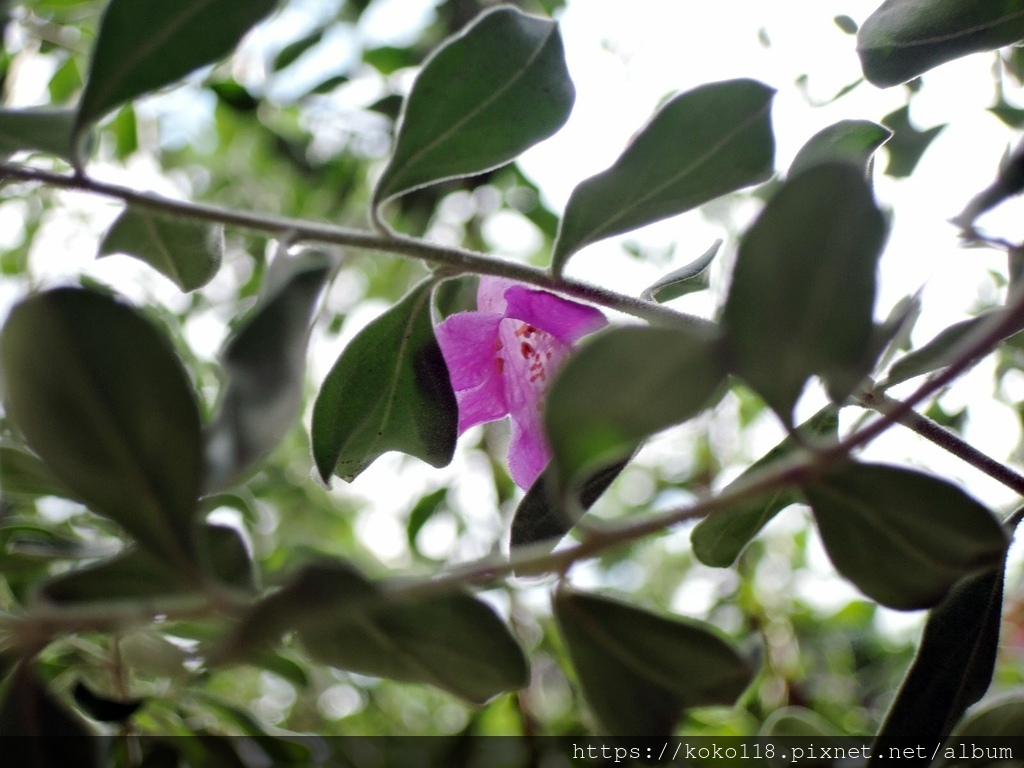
538 520
452 641
907 144
941 351
187 252
37 731
853 141
687 279
622 387
720 537
803 290
902 537
1008 183
388 391
1001 717
102 398
24 476
700 145
36 130
905 38
144 45
640 671
136 575
953 667
265 362
486 95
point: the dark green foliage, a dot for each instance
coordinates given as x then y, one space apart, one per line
144 45
37 730
186 252
854 141
954 664
720 537
172 565
625 385
103 399
265 362
907 144
479 101
729 145
37 130
452 641
905 38
803 291
661 666
903 537
388 391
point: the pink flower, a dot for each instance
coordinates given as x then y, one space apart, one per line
502 359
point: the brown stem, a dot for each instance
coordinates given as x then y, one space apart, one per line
944 438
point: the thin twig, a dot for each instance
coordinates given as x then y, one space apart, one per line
944 438
458 259
979 343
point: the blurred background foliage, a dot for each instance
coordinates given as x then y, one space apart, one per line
262 132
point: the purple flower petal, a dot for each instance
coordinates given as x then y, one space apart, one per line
566 320
503 357
531 361
469 343
490 294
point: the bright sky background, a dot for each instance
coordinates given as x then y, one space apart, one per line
625 57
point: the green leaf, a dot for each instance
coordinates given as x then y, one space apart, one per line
388 59
902 537
797 721
700 145
388 391
1001 717
941 351
452 641
102 708
1012 117
23 476
135 575
227 558
907 144
905 38
480 100
625 385
538 520
265 362
293 51
853 141
101 397
36 130
720 537
65 82
283 752
638 670
422 512
314 591
803 290
37 731
693 277
144 45
953 667
1008 183
187 252
845 23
